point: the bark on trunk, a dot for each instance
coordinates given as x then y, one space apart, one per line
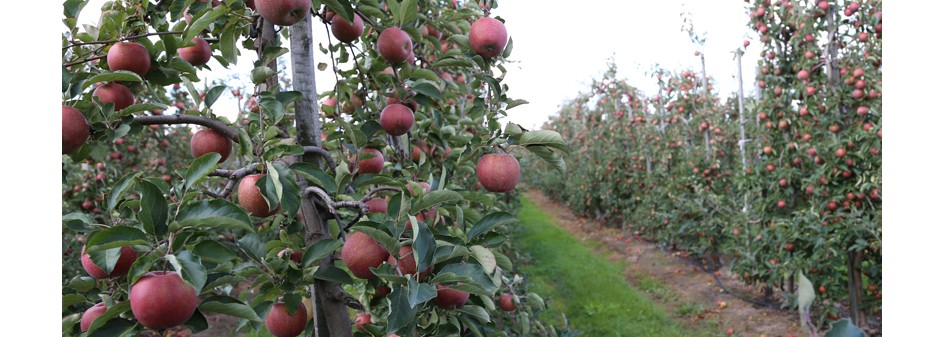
332 318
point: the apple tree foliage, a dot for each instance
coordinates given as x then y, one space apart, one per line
791 185
134 182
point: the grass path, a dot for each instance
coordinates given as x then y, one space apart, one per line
590 290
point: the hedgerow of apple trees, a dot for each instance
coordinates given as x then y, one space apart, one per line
295 201
804 195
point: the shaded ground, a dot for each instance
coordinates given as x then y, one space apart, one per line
691 296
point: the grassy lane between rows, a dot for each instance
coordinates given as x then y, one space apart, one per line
590 290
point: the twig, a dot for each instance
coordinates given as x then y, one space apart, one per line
119 40
233 175
371 193
213 124
83 61
364 18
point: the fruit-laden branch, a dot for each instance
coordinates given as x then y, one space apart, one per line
213 124
321 152
119 40
234 176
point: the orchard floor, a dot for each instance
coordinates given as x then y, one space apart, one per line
628 287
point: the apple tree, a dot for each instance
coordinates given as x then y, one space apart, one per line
390 194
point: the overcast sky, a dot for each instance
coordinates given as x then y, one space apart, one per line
559 48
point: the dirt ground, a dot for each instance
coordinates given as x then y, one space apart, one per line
690 295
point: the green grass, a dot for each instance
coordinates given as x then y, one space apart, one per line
590 290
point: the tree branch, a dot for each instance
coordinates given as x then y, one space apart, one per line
213 124
323 153
119 40
234 176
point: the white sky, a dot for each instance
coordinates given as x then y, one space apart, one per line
559 49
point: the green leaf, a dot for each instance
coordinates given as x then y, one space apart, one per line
544 137
200 168
382 237
117 236
401 313
228 306
112 312
291 193
82 283
475 272
453 62
424 74
213 94
261 74
844 328
320 250
549 157
424 245
198 24
69 300
77 221
435 199
341 7
333 274
178 7
69 322
228 45
246 144
115 76
408 11
214 213
170 44
197 322
113 328
189 268
251 245
428 90
419 293
489 222
515 102
153 211
479 313
508 48
316 176
120 187
485 258
214 251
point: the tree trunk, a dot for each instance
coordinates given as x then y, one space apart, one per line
332 314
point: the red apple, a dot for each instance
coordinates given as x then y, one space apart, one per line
281 324
130 56
345 31
198 54
377 205
361 252
487 37
498 172
396 119
251 198
394 45
161 299
115 93
362 319
283 12
448 298
375 164
208 140
90 315
126 258
75 129
405 262
506 300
